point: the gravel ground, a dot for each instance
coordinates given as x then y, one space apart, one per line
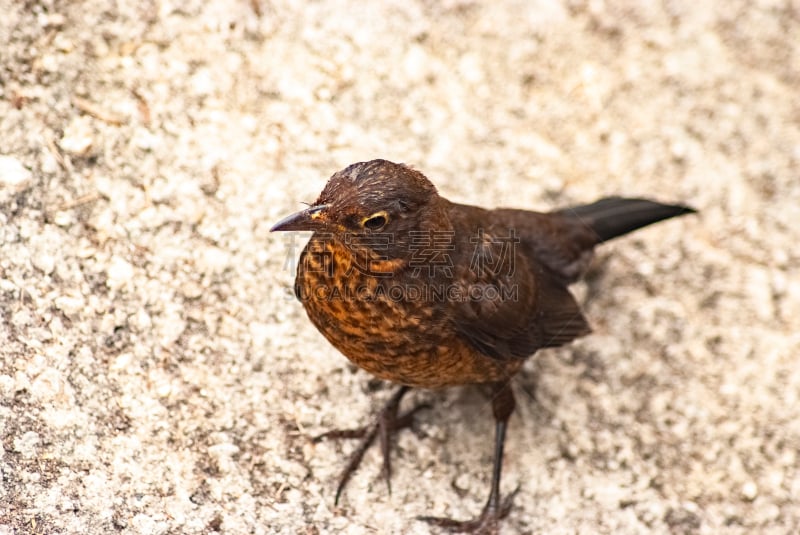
157 378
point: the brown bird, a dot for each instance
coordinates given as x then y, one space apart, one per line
424 292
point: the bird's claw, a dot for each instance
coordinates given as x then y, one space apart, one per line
384 426
488 523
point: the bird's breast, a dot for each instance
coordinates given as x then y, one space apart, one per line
386 320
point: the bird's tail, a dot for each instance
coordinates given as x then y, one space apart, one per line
615 216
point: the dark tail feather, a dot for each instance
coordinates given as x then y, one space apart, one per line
615 216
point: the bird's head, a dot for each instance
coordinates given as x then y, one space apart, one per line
369 199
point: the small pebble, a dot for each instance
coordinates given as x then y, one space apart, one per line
120 272
14 176
78 137
749 491
44 262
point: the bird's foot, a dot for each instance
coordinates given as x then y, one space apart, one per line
384 426
488 523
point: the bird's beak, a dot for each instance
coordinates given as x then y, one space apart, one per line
312 218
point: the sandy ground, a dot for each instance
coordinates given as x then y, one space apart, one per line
156 378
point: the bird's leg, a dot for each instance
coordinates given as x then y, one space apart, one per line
495 508
387 422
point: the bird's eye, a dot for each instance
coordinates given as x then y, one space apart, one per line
376 221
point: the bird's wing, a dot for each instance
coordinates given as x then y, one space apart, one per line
562 243
509 305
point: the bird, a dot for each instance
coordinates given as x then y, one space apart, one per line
428 293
